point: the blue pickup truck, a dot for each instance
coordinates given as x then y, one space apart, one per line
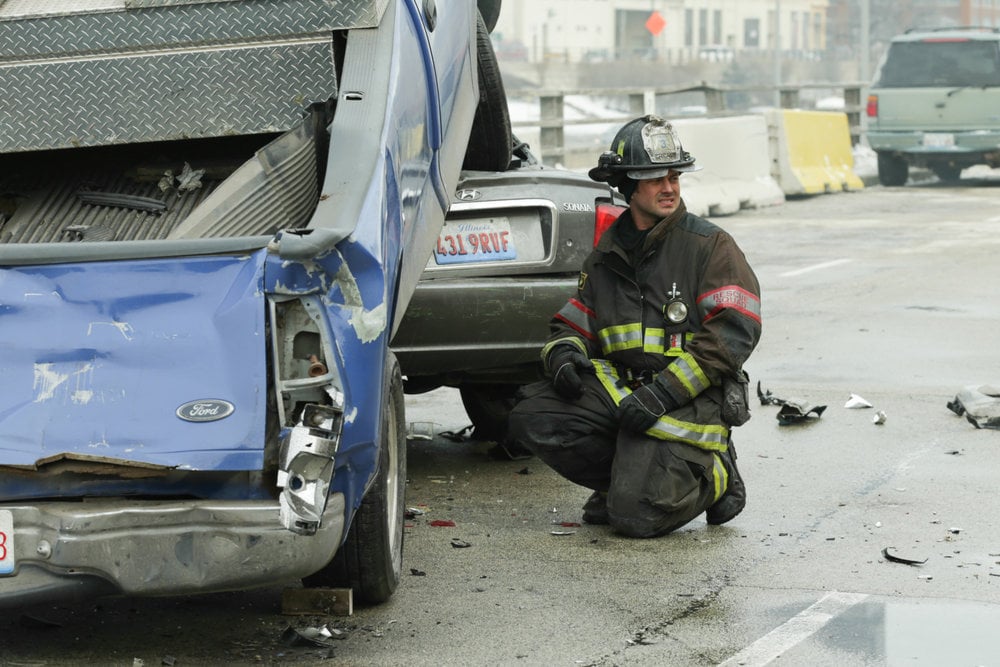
212 217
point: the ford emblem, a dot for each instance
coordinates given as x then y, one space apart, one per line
205 410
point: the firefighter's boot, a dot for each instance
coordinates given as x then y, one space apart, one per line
595 510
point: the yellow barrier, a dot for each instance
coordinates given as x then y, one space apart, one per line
813 152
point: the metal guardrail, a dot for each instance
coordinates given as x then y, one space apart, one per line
638 101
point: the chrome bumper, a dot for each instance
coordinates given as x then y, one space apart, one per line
128 547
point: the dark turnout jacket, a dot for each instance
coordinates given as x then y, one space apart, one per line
683 302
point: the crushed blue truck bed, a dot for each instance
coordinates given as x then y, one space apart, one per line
212 217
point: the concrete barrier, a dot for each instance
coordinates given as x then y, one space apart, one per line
811 151
736 165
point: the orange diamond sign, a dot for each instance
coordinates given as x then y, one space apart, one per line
656 23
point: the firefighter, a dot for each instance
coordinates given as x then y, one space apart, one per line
645 362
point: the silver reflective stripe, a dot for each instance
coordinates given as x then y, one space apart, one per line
689 373
621 337
654 342
713 437
573 314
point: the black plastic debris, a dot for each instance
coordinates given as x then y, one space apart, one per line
460 544
417 573
979 404
893 558
460 435
791 411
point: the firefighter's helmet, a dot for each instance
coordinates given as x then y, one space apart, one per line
643 148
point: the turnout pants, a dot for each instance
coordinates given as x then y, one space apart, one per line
654 486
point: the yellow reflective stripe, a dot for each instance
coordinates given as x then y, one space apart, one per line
620 337
568 340
712 437
654 342
608 376
719 476
689 373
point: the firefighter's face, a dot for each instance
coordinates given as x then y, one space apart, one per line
655 199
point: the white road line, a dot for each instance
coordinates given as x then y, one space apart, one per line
794 630
815 267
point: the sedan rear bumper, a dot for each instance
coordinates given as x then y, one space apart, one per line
65 550
474 325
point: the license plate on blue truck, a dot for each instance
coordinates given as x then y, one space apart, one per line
473 241
6 542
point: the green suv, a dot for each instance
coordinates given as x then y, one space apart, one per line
935 103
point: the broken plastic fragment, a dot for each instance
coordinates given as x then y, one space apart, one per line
980 404
855 402
460 544
899 559
420 430
879 418
443 523
562 532
793 412
310 636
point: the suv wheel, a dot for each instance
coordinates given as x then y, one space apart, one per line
371 559
892 169
947 172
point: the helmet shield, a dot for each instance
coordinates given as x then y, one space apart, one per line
644 148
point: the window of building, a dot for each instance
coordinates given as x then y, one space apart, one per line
751 33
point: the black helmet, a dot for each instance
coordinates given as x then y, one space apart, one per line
646 147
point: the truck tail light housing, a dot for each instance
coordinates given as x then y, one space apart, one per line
872 107
603 217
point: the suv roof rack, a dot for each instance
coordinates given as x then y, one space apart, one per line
974 28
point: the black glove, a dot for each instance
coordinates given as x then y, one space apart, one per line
566 362
640 409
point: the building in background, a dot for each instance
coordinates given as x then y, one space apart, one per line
675 31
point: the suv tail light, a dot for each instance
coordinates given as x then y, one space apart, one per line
872 109
605 215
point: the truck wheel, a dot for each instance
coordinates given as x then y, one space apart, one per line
371 559
488 407
947 172
490 10
892 170
490 142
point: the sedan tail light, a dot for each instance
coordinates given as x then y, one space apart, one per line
605 215
872 108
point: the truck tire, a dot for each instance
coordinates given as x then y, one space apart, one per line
892 170
371 559
491 141
488 406
490 11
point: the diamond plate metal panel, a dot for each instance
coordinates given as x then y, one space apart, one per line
162 97
97 72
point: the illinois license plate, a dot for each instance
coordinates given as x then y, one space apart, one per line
471 241
939 140
6 542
